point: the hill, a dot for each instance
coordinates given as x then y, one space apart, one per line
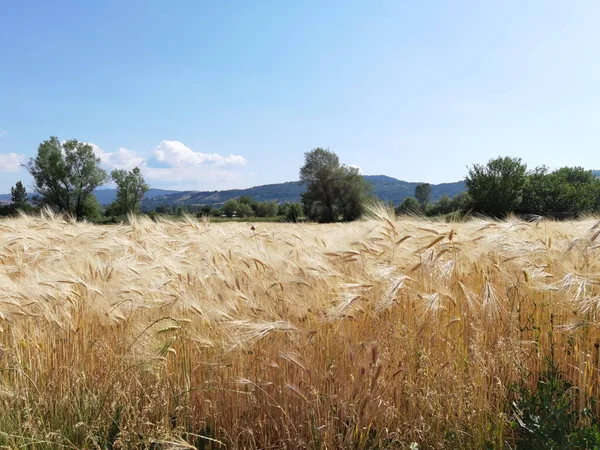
104 196
386 188
390 189
107 196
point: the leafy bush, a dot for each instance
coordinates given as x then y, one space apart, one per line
545 416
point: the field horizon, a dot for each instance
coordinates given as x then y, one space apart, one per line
381 333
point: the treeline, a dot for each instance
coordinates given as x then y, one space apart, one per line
456 206
66 173
245 207
242 208
504 186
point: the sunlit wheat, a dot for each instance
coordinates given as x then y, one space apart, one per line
378 333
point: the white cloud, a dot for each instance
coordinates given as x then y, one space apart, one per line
11 162
171 164
203 178
121 159
176 154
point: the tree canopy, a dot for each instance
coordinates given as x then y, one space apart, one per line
333 190
65 174
131 187
496 188
236 208
564 192
423 194
409 205
18 197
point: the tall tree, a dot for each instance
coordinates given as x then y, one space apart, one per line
131 188
353 193
332 190
496 188
18 196
320 173
423 195
65 174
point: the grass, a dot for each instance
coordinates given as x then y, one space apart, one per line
374 334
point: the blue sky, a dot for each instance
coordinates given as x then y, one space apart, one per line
217 95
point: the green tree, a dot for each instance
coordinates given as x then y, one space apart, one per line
573 190
92 211
65 174
442 206
204 211
293 212
245 200
423 195
461 202
164 209
408 206
332 190
536 192
7 210
244 210
565 192
230 208
496 188
266 209
18 197
353 194
272 209
131 188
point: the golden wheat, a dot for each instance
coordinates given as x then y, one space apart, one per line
375 333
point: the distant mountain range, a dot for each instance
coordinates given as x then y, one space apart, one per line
386 188
105 196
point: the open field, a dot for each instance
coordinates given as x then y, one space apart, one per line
373 334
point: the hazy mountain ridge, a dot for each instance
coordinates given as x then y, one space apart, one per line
104 196
386 188
107 196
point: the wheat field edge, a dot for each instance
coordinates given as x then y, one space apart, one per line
376 334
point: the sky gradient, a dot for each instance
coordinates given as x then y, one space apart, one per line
219 95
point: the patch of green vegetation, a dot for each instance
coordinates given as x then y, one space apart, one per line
546 416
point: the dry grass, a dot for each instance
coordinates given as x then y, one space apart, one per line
376 333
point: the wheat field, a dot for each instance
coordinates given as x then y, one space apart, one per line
381 333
